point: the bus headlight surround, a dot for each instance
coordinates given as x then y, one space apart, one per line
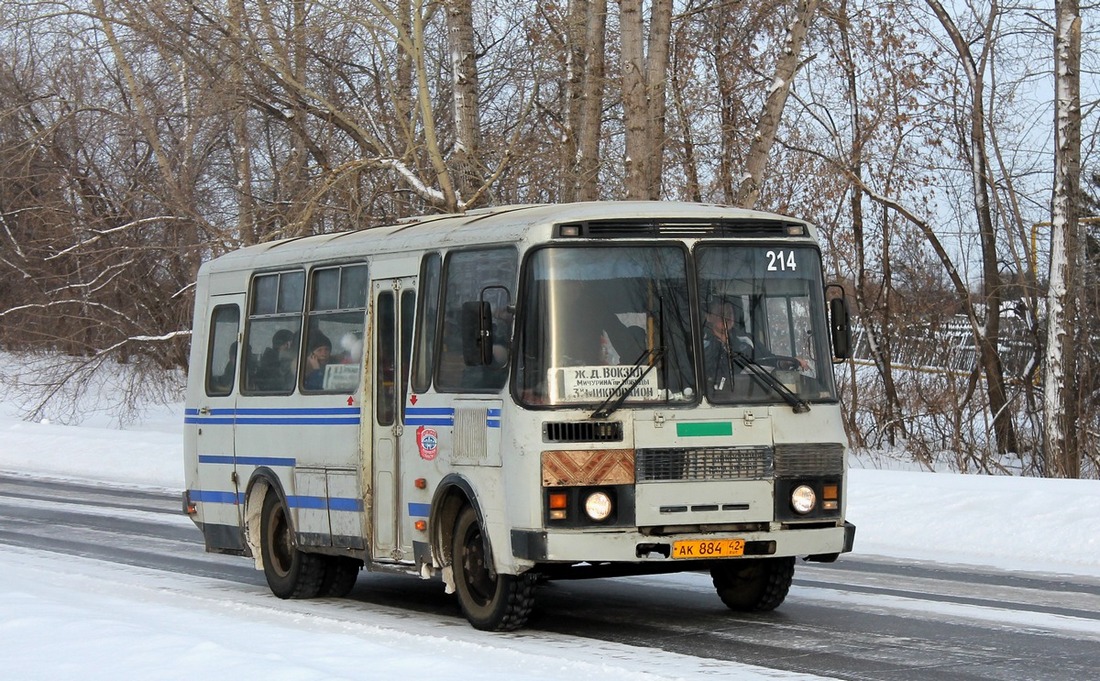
803 499
598 506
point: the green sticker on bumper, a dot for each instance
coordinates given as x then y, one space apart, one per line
708 429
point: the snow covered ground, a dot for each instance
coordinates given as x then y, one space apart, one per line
63 617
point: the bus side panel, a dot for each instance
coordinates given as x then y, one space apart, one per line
308 442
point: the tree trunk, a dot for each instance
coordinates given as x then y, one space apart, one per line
748 193
1062 401
573 42
656 90
635 107
242 142
988 339
467 148
643 94
591 129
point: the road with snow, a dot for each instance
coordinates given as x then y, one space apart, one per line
860 618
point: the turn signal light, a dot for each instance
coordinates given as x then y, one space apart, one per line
558 502
421 483
421 525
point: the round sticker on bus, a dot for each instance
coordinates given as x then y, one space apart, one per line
427 440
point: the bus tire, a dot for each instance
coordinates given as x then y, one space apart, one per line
290 573
491 602
340 575
753 585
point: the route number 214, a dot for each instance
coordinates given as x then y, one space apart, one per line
781 261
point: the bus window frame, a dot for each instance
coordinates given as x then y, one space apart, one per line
426 346
523 296
235 356
513 285
246 368
308 313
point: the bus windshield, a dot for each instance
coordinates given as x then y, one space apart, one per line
613 325
763 324
603 324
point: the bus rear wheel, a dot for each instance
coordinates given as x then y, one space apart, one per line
753 585
290 573
490 601
340 575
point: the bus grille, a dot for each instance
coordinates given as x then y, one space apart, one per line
582 431
806 460
713 463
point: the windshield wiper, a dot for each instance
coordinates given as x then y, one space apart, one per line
761 374
615 400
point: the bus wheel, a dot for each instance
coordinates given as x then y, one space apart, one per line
290 573
491 602
340 575
753 585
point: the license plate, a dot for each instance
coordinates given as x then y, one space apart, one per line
708 548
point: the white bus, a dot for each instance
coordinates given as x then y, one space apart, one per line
519 394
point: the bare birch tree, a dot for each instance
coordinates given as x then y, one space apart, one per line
988 334
1061 390
767 125
584 45
644 95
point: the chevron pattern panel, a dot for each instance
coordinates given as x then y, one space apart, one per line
574 468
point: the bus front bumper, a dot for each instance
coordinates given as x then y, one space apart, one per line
545 546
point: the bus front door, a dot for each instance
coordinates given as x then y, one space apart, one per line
394 301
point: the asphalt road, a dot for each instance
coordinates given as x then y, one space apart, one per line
860 618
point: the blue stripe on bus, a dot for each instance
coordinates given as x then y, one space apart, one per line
247 460
213 497
429 416
282 416
201 421
297 411
323 503
341 504
492 412
429 422
420 510
275 411
278 421
298 501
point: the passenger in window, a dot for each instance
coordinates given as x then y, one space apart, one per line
276 370
224 382
320 352
352 345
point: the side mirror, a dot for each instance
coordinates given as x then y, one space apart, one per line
477 333
840 326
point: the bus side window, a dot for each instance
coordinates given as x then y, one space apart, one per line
426 323
273 333
221 351
476 275
385 358
337 308
408 310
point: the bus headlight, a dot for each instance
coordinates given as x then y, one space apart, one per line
598 506
803 499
